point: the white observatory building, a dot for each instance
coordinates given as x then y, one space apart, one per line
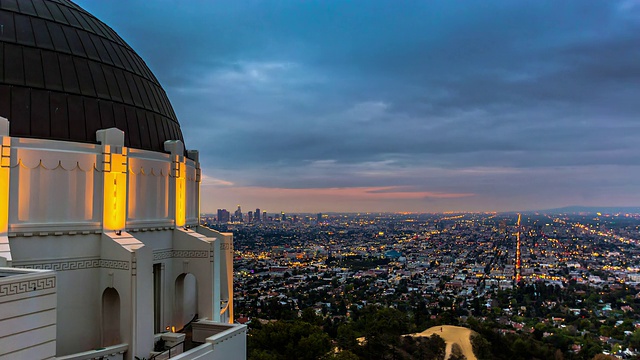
101 252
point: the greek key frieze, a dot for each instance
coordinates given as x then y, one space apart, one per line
114 264
161 255
190 253
79 265
21 287
65 265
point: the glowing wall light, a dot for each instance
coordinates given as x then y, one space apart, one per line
114 167
5 157
179 173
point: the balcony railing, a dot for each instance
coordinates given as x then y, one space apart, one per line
170 352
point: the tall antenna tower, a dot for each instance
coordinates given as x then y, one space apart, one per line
518 257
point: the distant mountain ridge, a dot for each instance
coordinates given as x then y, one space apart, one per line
593 209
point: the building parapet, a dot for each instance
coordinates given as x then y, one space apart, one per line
221 341
115 352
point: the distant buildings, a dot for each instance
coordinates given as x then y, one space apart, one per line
223 216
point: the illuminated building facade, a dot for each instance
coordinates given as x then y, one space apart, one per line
101 249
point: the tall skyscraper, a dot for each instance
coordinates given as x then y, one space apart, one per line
223 216
238 214
257 215
101 247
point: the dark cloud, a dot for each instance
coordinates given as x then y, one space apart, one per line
346 94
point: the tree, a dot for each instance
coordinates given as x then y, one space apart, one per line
344 355
288 340
433 347
424 348
481 347
262 355
313 346
309 316
346 337
634 342
456 352
381 328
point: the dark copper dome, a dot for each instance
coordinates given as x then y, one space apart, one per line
65 74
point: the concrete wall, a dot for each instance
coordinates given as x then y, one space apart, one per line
226 269
227 341
194 253
148 202
233 347
77 261
192 195
57 186
52 186
28 314
131 276
181 252
56 221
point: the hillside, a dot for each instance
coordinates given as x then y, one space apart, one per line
452 334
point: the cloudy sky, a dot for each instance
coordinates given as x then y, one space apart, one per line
399 105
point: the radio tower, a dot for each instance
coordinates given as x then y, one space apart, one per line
518 274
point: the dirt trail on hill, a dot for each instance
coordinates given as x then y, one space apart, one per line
452 334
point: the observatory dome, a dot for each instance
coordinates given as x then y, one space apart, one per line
65 74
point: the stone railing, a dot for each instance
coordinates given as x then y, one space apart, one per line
221 341
115 352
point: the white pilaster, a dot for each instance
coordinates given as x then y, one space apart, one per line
216 280
177 187
5 171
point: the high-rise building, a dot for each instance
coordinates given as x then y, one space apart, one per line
257 215
101 249
238 214
223 216
250 216
264 216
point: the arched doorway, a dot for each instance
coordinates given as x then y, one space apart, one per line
110 317
186 300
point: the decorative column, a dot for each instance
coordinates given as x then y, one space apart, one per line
114 177
178 184
215 264
5 172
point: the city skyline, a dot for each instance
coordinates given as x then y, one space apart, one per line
424 107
